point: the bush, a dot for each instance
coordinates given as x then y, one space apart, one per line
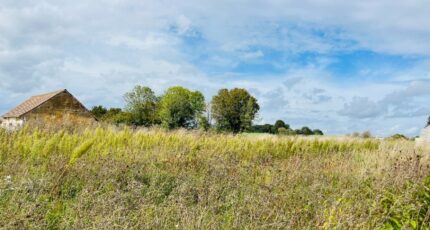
366 134
398 137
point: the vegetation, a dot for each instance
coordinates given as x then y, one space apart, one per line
142 104
181 108
280 127
234 110
112 116
398 136
231 111
110 178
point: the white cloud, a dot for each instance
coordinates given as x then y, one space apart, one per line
100 49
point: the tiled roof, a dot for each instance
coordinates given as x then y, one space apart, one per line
31 104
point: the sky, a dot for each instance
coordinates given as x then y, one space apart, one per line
340 66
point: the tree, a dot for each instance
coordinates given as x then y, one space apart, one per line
234 110
306 131
317 132
142 104
366 134
285 131
180 107
203 123
280 124
117 116
98 111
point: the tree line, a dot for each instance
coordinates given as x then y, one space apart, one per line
231 110
281 128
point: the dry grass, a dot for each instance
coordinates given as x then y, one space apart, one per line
115 179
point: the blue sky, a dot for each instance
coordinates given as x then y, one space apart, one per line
341 66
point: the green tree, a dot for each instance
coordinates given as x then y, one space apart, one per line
180 107
98 111
234 110
306 131
366 134
285 131
317 132
203 123
117 116
281 124
142 104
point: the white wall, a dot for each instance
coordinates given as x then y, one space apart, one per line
11 123
424 139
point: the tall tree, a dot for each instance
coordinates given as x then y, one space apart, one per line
142 104
281 124
180 107
234 110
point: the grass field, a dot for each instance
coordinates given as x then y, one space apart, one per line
115 179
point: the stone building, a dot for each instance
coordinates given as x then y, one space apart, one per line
55 108
424 138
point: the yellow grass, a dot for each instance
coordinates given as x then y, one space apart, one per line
151 179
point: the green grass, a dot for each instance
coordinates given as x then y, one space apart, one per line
115 179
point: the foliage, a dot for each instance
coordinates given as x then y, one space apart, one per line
366 134
306 131
317 132
398 136
266 128
98 111
142 104
281 124
181 108
234 110
285 131
411 211
117 116
203 123
281 128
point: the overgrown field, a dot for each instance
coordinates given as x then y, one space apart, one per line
115 179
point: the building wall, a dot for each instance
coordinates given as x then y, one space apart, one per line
11 123
62 103
62 109
424 139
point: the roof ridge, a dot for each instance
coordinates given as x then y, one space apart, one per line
32 103
53 92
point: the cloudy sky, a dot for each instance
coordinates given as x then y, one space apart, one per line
340 66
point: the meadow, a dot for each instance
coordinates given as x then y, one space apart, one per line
108 178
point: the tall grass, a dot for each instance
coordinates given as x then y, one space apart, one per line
106 178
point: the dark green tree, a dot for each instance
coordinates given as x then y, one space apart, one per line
280 124
98 111
306 131
180 107
317 132
234 110
142 104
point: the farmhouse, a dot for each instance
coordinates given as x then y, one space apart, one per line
53 108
